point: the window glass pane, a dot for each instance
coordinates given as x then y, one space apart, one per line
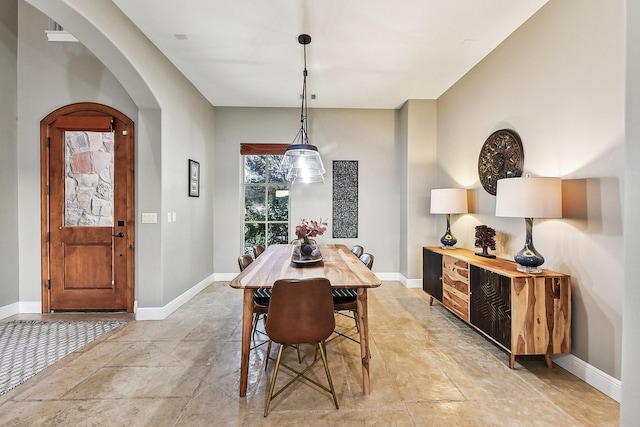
278 203
88 179
275 176
278 233
266 201
254 169
254 200
254 234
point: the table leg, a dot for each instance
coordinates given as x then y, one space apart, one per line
364 338
247 319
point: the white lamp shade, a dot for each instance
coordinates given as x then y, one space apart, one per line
528 197
449 201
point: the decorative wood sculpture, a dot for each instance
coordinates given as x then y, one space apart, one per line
485 240
501 156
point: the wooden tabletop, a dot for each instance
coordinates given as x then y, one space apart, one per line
339 265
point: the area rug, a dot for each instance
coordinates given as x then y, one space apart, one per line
29 346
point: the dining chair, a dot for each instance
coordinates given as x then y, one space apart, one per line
346 299
357 250
300 312
261 299
367 259
257 250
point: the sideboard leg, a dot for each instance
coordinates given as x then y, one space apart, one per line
549 360
430 301
512 360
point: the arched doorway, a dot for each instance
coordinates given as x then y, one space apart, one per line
87 209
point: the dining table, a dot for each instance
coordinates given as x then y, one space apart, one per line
338 264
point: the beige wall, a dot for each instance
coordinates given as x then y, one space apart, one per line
50 75
118 66
630 403
9 278
363 135
417 160
559 82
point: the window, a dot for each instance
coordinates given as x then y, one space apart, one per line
266 196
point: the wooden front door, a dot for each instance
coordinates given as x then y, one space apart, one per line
87 209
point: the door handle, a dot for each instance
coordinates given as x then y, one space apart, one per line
120 235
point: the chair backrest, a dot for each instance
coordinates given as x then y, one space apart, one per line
358 250
257 250
244 261
367 259
300 311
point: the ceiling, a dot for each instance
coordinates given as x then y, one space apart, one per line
363 53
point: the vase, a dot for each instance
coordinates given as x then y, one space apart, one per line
305 250
307 246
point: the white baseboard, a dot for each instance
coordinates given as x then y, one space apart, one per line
9 310
407 283
30 307
591 375
413 283
160 313
387 276
224 277
20 307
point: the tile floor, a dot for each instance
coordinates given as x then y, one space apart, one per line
427 368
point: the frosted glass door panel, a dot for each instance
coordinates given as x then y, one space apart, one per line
88 179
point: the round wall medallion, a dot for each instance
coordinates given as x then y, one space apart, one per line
501 156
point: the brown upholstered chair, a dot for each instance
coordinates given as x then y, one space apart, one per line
300 312
244 261
357 250
345 299
257 250
260 298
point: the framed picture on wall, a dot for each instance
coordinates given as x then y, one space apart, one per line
194 178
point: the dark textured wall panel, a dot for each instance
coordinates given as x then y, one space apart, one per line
345 199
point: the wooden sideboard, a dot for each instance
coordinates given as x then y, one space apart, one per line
522 313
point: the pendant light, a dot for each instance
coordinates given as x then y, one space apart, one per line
301 161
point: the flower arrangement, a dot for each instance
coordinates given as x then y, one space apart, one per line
310 228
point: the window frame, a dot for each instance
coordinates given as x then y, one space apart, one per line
261 149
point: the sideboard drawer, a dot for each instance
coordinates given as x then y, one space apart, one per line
455 286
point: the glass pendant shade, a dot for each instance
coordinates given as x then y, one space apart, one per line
301 161
303 164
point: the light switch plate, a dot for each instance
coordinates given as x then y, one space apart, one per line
149 218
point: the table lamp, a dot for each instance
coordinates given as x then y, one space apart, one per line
448 201
529 198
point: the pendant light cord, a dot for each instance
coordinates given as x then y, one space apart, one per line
303 110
